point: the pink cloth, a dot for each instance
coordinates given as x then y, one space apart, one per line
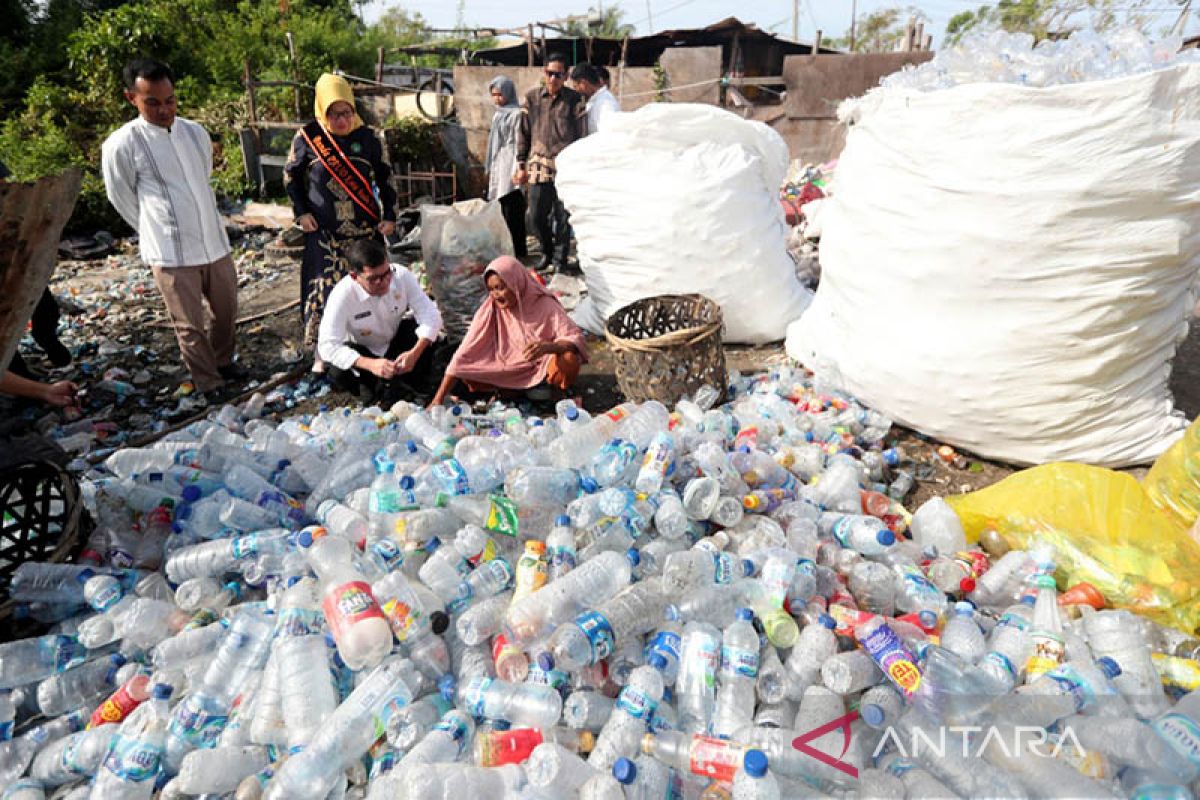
492 352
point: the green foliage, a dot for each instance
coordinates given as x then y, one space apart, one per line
413 140
607 26
61 118
880 31
1045 19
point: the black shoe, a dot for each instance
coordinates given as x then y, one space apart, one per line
545 263
56 351
233 372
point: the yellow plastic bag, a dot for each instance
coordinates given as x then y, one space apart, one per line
1173 483
1105 528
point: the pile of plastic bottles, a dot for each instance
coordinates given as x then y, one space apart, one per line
714 602
1002 57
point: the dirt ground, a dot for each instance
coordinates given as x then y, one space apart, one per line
120 323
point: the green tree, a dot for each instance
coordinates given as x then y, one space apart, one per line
1043 19
880 31
606 25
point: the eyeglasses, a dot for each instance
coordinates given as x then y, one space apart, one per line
557 75
375 280
340 114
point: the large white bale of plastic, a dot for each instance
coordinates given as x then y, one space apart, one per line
680 198
1010 269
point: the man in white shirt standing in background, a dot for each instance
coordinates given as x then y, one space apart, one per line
371 344
601 104
156 172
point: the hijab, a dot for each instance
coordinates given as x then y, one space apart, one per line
506 120
330 89
492 352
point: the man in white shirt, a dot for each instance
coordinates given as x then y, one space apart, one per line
601 105
371 345
156 172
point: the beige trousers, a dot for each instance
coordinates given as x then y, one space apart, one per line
205 335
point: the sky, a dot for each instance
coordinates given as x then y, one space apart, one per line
830 16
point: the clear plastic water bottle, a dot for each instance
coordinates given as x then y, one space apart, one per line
72 757
695 687
738 675
520 704
592 582
935 525
863 534
219 770
575 446
446 741
136 753
961 635
586 710
596 633
354 617
541 486
755 781
560 548
25 661
308 696
624 730
557 771
81 686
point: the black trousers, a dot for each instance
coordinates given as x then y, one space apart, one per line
44 330
415 384
550 222
512 206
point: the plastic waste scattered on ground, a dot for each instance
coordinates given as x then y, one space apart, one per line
695 602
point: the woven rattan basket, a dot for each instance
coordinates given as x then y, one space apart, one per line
41 516
666 347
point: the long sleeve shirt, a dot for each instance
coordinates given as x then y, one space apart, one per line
313 190
548 124
158 180
352 315
600 109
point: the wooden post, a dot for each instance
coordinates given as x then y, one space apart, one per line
919 36
621 69
545 52
816 44
909 31
379 66
251 108
529 43
928 43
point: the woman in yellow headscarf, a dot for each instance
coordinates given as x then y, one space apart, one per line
337 179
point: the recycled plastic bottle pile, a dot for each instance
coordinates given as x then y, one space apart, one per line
712 602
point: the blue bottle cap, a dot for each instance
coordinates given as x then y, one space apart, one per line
545 661
432 545
634 557
562 521
191 493
964 608
85 576
928 618
572 413
588 485
745 614
304 539
872 714
747 567
668 694
501 725
161 691
658 661
1111 668
447 686
183 511
625 771
117 660
827 621
755 763
885 537
536 422
407 483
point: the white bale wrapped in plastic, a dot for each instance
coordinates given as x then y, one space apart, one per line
1010 269
680 198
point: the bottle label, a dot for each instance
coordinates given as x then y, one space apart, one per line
1047 654
70 757
299 622
387 554
388 501
894 658
244 546
1001 662
133 760
658 455
502 516
737 661
67 652
636 703
562 560
722 567
455 727
532 574
841 531
453 477
108 597
1181 733
555 678
115 708
1176 672
599 634
616 414
401 616
716 759
349 604
1013 621
667 643
475 696
1074 685
707 655
197 725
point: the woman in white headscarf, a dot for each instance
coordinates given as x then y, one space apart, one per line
501 162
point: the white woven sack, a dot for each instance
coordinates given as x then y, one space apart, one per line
1010 269
679 198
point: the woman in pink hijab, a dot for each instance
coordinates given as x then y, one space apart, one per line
519 338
